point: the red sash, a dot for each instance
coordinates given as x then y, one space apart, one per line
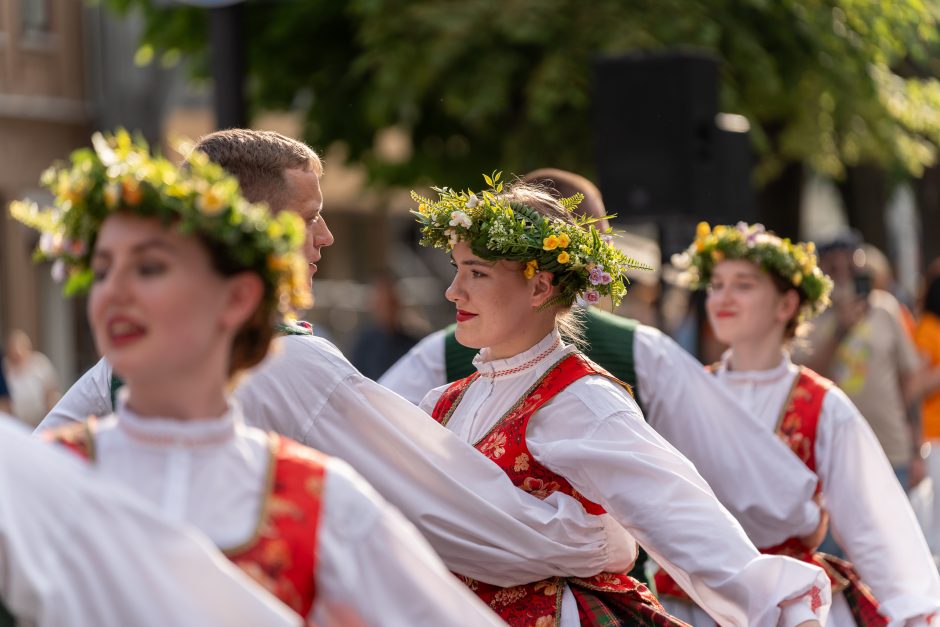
281 554
604 599
797 427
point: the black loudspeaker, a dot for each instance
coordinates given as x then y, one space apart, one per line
663 150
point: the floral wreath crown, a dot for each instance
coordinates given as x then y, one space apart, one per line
794 263
582 259
121 175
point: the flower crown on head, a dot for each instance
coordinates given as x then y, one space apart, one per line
120 175
582 259
794 263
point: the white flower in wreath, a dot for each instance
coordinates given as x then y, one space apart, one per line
459 218
452 236
473 201
51 244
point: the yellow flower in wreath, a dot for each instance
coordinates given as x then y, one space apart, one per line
112 195
550 242
702 229
275 230
564 258
131 191
563 240
278 263
530 269
211 202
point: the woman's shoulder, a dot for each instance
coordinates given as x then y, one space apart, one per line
307 356
599 393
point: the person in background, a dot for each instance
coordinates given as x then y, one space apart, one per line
860 344
760 289
927 338
34 386
384 340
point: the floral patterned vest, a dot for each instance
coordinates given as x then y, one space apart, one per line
539 603
797 427
281 555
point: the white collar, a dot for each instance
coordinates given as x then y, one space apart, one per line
160 431
770 375
546 352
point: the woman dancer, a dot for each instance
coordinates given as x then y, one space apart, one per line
554 421
186 280
760 289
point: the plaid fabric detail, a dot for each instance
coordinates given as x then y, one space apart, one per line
861 601
639 607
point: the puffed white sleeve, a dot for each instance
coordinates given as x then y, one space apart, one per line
79 550
420 370
615 459
89 396
739 458
480 524
871 517
374 568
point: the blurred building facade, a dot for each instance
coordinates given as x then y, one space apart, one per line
44 113
68 69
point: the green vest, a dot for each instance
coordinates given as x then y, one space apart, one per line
608 338
6 619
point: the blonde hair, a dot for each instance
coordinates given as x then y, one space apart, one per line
563 184
568 320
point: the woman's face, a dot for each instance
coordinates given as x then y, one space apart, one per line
495 302
744 304
157 308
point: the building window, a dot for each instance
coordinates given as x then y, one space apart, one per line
36 16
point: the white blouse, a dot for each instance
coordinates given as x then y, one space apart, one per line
593 434
372 565
478 522
739 459
77 549
870 515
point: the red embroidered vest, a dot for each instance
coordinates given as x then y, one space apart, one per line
797 427
281 554
539 603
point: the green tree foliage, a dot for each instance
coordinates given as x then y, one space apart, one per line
507 83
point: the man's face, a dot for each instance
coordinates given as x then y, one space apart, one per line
838 264
303 196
